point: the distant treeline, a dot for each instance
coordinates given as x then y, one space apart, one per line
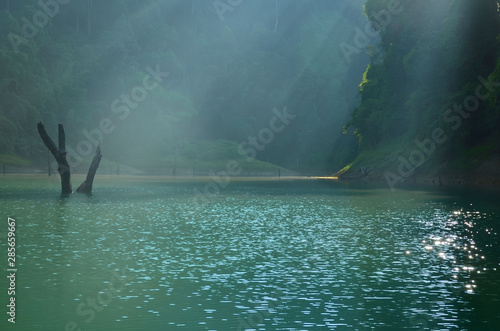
155 77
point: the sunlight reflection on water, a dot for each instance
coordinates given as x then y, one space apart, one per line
286 256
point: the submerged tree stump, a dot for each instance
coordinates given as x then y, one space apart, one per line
62 163
86 186
59 154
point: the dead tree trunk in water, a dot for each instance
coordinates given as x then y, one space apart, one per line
59 154
86 186
48 163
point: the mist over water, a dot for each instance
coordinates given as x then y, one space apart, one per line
181 84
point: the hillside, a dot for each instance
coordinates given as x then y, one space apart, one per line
149 79
429 109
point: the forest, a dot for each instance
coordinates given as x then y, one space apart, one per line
188 83
158 81
429 108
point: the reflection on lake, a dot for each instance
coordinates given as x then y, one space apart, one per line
145 254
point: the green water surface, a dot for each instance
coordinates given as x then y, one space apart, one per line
151 254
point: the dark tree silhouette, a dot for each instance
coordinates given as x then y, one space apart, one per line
86 186
62 162
59 155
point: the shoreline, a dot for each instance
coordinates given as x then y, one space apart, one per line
447 180
370 180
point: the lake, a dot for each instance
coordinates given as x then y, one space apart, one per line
147 253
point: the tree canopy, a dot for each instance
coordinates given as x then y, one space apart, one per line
432 57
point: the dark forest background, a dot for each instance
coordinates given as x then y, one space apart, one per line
353 91
225 76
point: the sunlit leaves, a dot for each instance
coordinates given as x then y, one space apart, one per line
432 53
